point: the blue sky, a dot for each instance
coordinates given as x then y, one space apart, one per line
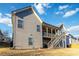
54 14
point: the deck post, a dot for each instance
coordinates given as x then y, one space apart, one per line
46 31
51 33
55 31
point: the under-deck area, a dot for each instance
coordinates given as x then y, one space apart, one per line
45 42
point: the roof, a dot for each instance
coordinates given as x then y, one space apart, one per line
72 36
49 25
26 8
21 9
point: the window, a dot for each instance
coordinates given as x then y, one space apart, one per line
20 23
30 41
38 28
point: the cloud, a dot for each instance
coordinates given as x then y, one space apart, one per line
63 7
8 15
73 28
13 8
59 13
46 5
40 7
0 14
70 13
6 20
77 36
10 35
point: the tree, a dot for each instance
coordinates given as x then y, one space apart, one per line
6 33
8 39
1 36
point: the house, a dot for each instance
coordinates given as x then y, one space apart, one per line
1 36
4 41
68 40
71 40
30 32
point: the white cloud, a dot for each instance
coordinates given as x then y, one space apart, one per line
6 20
12 8
8 15
0 14
46 5
70 13
59 13
63 7
40 7
10 35
73 28
77 36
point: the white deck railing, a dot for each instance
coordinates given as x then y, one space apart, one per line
45 34
54 42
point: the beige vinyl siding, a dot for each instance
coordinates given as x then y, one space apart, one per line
29 30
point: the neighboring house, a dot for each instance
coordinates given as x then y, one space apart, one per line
4 41
68 40
30 32
8 39
71 40
74 40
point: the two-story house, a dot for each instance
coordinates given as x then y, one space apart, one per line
30 32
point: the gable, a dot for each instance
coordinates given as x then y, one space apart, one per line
21 13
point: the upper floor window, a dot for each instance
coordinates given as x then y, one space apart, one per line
38 28
20 23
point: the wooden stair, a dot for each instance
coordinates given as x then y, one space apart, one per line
54 43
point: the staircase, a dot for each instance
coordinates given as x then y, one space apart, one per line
55 41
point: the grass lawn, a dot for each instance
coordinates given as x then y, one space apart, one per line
40 52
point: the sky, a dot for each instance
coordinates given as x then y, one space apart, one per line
52 13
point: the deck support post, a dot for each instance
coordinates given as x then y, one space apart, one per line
51 33
46 31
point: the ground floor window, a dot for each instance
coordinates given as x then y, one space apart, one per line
30 41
